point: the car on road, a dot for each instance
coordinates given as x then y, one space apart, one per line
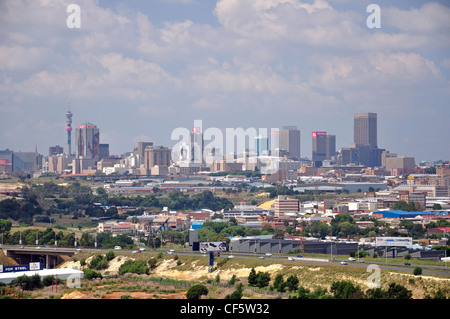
291 258
343 263
231 256
169 252
360 260
407 264
117 247
268 254
262 257
351 259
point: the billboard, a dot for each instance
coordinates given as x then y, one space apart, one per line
316 134
26 267
393 241
206 246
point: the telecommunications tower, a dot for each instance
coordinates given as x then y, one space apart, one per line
69 131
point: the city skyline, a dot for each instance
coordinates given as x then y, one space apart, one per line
141 69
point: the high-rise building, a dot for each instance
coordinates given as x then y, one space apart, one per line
142 146
69 132
331 146
365 129
290 141
319 147
261 145
197 145
103 151
55 150
87 138
160 156
364 149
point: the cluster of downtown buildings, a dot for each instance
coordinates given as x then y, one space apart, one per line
272 153
275 156
361 167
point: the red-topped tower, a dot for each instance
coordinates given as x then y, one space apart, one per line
69 132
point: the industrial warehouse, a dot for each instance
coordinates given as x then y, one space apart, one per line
283 246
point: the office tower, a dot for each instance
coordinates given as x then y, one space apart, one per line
365 129
319 147
364 149
290 141
55 150
87 138
274 142
283 205
261 145
160 156
197 145
103 151
142 146
331 146
69 132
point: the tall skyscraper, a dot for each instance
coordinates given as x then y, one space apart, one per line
290 141
261 145
197 145
87 141
331 146
364 149
69 132
365 129
319 147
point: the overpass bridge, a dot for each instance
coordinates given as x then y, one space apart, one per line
50 257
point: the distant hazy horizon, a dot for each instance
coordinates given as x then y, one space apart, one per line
140 69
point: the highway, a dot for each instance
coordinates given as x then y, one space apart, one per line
384 265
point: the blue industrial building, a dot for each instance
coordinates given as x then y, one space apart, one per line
403 215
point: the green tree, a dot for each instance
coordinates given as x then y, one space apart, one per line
292 283
279 283
417 271
252 278
345 289
263 279
5 225
196 291
91 274
237 293
397 291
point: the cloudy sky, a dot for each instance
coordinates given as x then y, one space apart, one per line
138 69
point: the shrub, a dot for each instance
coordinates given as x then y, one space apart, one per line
92 274
110 255
137 267
292 283
196 291
152 263
417 271
28 283
98 262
